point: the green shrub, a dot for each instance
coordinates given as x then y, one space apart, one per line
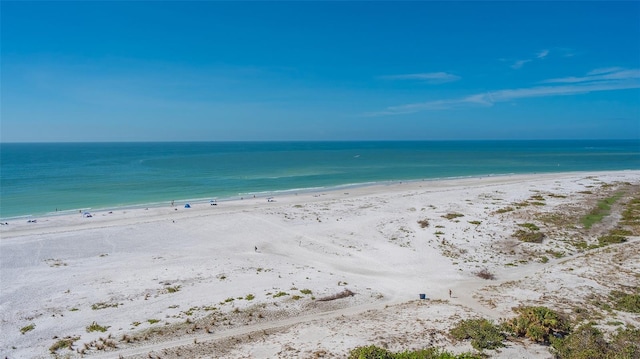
586 342
370 352
537 324
483 333
626 343
374 352
250 297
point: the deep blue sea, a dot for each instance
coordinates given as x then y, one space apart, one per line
38 179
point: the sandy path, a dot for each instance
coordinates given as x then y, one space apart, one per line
277 324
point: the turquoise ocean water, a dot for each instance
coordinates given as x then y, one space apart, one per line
37 179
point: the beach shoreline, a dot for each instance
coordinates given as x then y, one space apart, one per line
178 203
260 195
111 176
265 263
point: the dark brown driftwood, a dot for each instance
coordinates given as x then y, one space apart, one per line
345 293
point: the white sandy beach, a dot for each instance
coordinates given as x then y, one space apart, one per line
245 278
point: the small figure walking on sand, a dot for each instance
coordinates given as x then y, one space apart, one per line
255 248
450 292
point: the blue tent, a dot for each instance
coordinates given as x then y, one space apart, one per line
187 205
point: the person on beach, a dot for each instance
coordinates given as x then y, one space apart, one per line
450 292
255 248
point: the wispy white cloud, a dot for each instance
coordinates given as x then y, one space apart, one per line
610 80
430 77
607 74
605 70
518 64
542 54
538 56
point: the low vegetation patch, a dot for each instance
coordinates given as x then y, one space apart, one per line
452 215
175 288
27 328
562 220
483 333
602 209
614 236
537 197
555 195
505 210
587 342
631 213
485 274
529 226
529 236
104 305
63 343
374 352
424 223
280 294
95 327
626 302
556 254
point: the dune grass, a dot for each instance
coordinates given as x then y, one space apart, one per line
602 209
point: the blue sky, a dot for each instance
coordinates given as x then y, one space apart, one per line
220 71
